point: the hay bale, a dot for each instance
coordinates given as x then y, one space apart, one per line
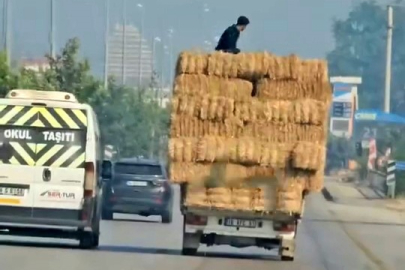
192 63
283 133
206 108
186 126
309 156
202 85
207 174
197 197
252 66
268 89
247 151
305 111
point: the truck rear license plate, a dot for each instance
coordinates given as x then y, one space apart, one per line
236 222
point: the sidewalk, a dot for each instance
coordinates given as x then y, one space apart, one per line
362 202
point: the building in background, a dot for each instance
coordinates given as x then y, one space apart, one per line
344 105
37 65
115 56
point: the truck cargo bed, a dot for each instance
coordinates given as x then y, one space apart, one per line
215 211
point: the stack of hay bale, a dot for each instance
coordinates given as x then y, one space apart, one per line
248 131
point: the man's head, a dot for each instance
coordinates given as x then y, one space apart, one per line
242 23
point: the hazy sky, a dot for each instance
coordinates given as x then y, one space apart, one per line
280 26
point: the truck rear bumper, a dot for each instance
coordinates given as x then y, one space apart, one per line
234 232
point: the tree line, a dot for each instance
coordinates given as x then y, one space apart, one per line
130 119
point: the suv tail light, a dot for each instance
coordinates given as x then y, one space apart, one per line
196 220
286 227
162 184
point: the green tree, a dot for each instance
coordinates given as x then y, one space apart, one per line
126 116
360 45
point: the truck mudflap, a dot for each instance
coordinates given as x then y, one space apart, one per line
287 249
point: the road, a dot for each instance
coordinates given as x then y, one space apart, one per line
330 238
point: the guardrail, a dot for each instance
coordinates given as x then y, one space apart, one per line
385 182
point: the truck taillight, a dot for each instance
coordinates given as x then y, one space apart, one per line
286 227
196 220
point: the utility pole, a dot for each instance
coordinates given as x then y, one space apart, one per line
140 48
124 40
4 23
387 92
171 31
8 31
106 43
52 30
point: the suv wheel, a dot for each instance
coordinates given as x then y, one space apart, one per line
107 214
167 216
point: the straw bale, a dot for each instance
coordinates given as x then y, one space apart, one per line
315 181
202 85
208 174
293 68
252 66
247 151
197 197
308 155
192 63
220 197
212 108
304 111
268 89
186 126
284 133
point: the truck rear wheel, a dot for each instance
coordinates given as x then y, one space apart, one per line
89 240
287 250
190 244
189 251
287 258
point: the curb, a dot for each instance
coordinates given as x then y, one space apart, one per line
326 194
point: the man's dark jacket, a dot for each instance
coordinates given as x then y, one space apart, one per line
228 40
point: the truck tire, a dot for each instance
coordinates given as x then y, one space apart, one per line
287 258
89 240
287 250
167 216
190 245
189 251
107 214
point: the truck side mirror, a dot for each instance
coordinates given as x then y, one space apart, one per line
359 149
106 170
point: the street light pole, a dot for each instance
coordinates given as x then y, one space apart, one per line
140 47
124 40
155 40
106 42
171 31
8 31
52 30
387 92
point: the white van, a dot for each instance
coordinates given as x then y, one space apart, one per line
50 162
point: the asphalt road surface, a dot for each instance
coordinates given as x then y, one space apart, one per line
131 242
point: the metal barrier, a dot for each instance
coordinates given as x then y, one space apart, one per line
384 182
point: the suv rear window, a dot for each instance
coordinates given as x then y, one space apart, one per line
138 169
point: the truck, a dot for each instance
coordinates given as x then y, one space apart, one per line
240 229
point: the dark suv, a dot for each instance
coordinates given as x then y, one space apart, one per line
138 186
